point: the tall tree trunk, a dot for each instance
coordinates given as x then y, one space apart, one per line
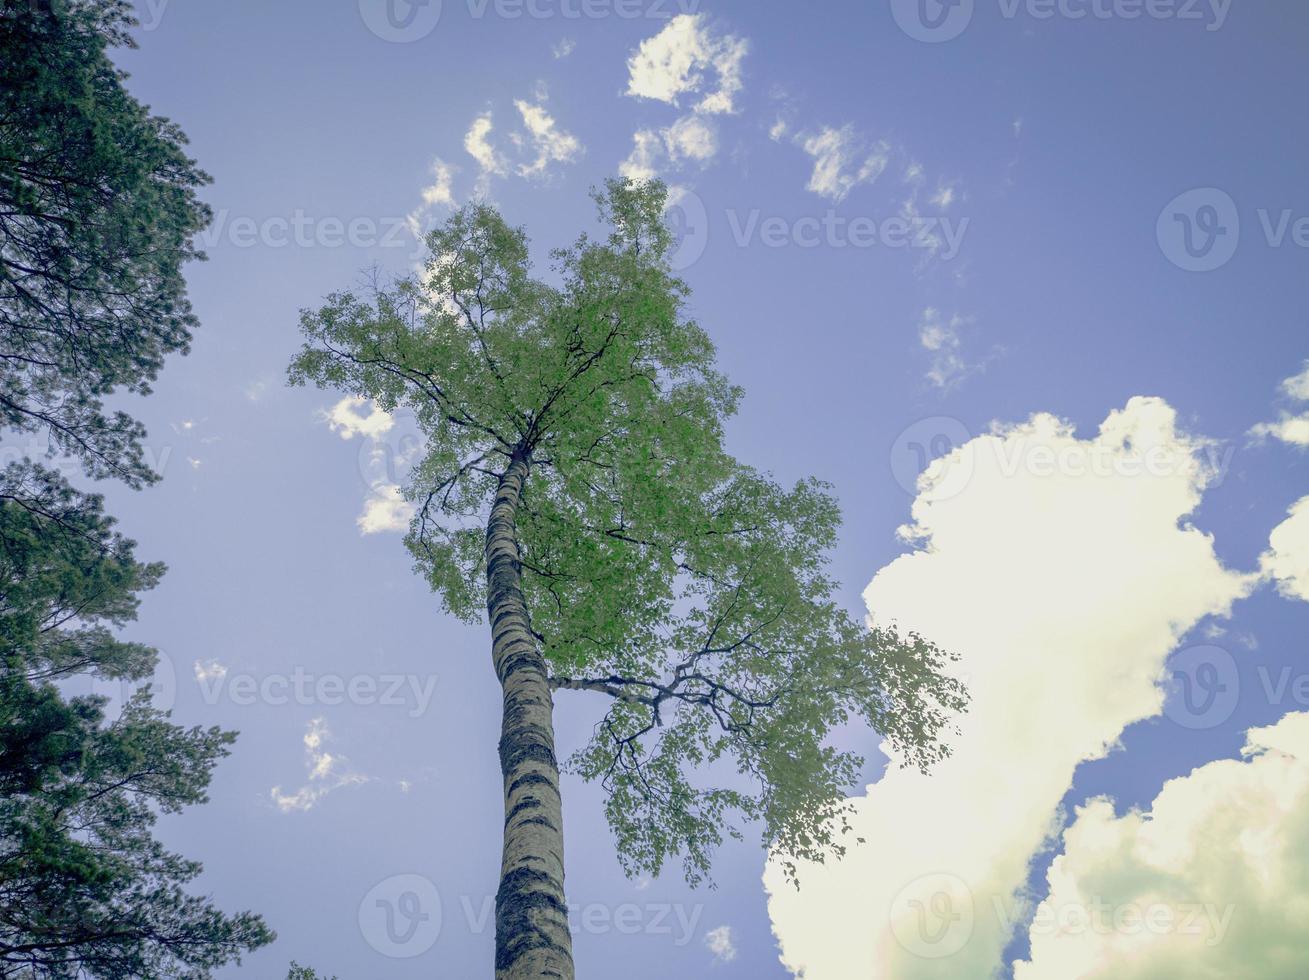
531 918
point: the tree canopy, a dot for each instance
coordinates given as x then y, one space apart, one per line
98 209
85 889
657 569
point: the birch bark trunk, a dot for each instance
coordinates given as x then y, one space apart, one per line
531 918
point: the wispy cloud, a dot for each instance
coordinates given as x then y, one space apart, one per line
326 772
942 338
720 944
436 195
536 148
1290 427
546 140
691 138
842 161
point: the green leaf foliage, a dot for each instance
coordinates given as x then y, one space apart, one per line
97 211
85 889
659 571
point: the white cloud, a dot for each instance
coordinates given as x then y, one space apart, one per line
673 63
549 143
1298 386
720 944
345 419
944 196
1062 572
209 670
678 60
778 131
386 510
1289 428
438 194
327 772
478 144
838 168
1287 559
1212 882
941 337
541 143
690 138
563 48
647 152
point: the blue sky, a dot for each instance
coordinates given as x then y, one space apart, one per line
897 237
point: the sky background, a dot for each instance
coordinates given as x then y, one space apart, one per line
1036 161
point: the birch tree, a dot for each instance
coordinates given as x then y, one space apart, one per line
576 491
